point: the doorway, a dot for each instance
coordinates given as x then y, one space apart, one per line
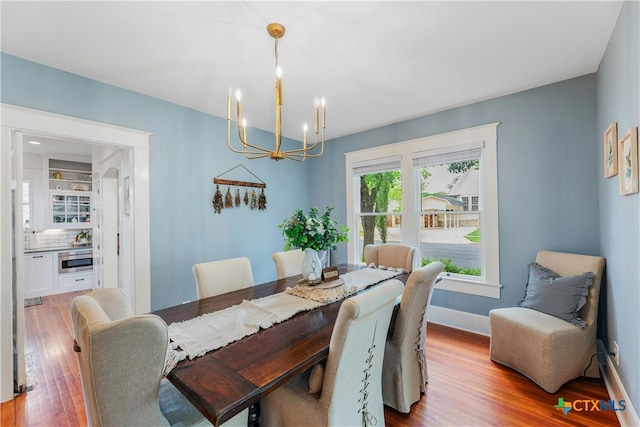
133 145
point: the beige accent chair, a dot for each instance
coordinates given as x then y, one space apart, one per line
121 360
288 263
394 255
404 372
351 392
222 276
548 350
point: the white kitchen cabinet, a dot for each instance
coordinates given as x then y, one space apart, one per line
70 209
40 274
75 281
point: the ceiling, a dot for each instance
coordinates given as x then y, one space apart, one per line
375 62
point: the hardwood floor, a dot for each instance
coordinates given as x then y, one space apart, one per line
465 388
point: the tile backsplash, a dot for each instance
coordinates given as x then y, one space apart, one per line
49 239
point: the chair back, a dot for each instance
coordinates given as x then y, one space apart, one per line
121 359
288 263
352 386
567 264
222 276
394 255
409 332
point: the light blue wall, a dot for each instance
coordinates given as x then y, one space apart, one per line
187 150
547 176
552 193
618 100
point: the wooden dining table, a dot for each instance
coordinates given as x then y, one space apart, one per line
224 382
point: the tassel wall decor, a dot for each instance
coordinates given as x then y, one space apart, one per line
254 200
228 199
262 201
217 201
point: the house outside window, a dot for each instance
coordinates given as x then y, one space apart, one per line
444 203
449 230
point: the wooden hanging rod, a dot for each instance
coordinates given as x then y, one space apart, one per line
239 183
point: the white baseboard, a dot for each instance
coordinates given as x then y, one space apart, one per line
469 322
617 392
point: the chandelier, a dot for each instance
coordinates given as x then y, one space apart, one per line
250 151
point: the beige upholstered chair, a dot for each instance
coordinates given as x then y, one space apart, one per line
394 255
548 350
121 360
351 392
288 263
404 372
222 276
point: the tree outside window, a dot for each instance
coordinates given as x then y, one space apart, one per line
380 206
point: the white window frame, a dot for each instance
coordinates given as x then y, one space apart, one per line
488 284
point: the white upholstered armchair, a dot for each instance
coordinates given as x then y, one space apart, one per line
404 374
121 360
547 349
394 255
350 383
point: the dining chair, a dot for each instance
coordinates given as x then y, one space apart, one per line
395 255
288 263
546 348
222 276
348 389
404 372
121 359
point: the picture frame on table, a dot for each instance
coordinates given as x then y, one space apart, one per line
611 150
628 162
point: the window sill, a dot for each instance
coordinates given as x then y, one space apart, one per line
473 287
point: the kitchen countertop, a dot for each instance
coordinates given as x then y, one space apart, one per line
66 248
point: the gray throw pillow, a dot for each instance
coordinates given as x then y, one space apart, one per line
561 297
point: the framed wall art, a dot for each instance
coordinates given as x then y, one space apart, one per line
611 150
628 162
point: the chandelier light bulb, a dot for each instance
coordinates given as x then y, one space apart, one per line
238 95
316 102
322 102
279 72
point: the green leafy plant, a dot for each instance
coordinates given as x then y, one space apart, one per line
314 231
83 234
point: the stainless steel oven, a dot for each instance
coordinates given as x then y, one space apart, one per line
75 260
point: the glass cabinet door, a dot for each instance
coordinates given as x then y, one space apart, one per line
70 210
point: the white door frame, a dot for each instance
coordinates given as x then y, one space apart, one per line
16 119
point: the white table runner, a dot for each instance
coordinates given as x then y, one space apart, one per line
214 330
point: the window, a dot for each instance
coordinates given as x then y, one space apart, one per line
449 229
441 197
379 210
